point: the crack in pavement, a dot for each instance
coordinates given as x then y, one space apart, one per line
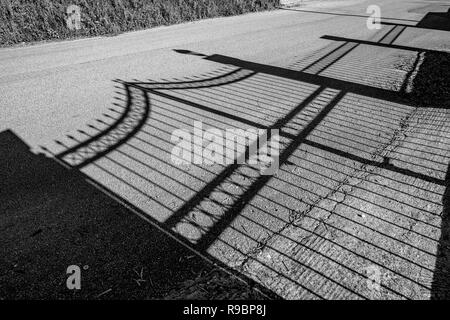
336 196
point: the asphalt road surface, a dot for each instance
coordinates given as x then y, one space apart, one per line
357 209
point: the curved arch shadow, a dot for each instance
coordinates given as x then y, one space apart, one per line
129 123
228 78
136 113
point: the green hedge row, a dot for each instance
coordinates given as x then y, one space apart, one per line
34 20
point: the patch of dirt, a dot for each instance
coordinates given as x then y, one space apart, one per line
215 285
431 85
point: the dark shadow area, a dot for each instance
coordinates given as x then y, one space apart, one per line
436 21
432 20
52 217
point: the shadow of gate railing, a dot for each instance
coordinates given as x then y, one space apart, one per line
354 189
